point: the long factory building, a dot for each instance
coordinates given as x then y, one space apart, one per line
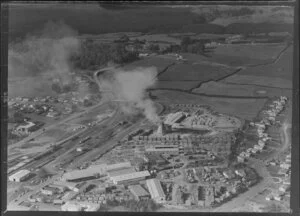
100 169
156 190
121 173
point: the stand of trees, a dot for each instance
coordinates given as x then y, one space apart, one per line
188 45
95 54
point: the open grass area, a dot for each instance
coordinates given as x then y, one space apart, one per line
282 68
245 54
243 108
260 80
279 74
153 61
193 72
240 90
183 85
157 38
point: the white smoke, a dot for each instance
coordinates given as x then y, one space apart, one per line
45 54
130 87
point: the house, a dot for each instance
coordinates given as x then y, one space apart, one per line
284 188
241 159
229 174
261 143
277 197
269 197
49 190
52 114
240 172
25 128
285 166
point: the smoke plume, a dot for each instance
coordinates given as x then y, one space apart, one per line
44 54
130 87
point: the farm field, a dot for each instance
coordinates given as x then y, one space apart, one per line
282 68
240 90
259 80
201 72
245 54
240 107
156 61
182 85
157 38
279 74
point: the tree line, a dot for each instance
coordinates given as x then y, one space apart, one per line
94 54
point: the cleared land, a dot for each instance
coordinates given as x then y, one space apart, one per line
243 108
240 90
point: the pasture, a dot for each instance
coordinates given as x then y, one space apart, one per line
156 61
240 107
182 85
245 54
194 72
282 68
240 90
260 80
156 38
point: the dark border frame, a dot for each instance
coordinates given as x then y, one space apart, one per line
294 203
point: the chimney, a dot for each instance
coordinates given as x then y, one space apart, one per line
161 130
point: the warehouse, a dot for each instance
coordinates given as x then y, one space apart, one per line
19 176
138 192
174 118
93 171
130 177
156 190
120 172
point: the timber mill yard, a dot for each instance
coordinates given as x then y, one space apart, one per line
160 126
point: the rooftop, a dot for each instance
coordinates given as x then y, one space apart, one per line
130 176
155 188
118 172
138 190
95 169
20 174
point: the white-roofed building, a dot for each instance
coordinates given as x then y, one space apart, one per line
19 176
130 177
156 190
